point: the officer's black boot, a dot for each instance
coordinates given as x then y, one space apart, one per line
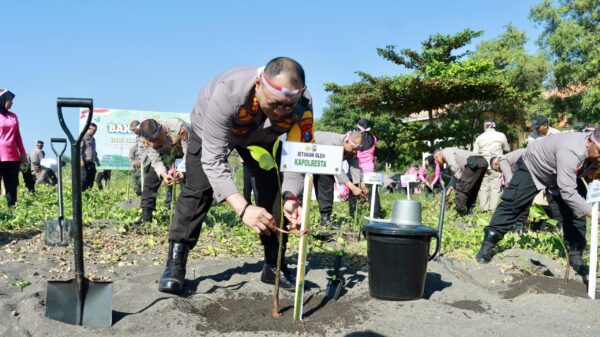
327 222
171 280
146 216
287 280
576 261
486 251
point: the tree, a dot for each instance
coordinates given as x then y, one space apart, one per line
523 72
571 37
439 78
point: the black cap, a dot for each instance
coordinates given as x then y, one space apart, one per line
364 123
538 121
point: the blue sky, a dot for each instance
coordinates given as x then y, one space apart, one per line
157 55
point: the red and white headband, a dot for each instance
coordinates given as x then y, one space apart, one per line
349 139
278 90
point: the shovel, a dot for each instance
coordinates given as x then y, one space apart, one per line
78 301
336 280
438 242
58 233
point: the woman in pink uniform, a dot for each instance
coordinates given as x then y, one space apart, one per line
435 184
12 151
366 161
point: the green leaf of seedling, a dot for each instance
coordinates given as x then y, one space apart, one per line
262 156
21 284
275 147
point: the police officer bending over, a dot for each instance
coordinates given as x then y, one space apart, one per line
165 141
552 163
241 107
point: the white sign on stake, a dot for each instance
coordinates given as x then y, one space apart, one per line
308 158
373 179
407 179
593 197
311 158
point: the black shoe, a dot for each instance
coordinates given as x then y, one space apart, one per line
576 262
518 229
486 252
287 280
327 222
172 279
145 217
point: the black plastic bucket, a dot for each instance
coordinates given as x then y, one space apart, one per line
398 257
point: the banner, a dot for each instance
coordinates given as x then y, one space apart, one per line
113 138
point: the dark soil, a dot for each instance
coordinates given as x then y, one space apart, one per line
531 284
475 306
321 314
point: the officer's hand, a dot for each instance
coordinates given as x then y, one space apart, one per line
179 176
82 163
449 190
293 212
136 165
259 220
357 191
167 179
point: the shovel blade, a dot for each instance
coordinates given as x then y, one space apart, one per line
58 233
94 309
334 289
63 302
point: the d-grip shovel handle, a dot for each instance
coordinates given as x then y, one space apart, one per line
438 239
63 102
58 140
61 212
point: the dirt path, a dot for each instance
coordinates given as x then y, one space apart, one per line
520 294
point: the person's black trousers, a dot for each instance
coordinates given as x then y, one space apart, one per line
519 194
467 187
197 195
151 186
352 200
88 174
136 177
9 174
28 178
103 175
249 186
324 191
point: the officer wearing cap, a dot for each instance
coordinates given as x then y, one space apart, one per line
552 163
488 144
37 154
541 128
241 107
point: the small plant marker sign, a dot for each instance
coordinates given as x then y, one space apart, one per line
309 159
407 179
373 179
593 197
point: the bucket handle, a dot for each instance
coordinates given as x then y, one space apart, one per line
440 230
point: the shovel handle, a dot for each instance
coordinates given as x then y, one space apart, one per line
440 229
63 102
55 141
